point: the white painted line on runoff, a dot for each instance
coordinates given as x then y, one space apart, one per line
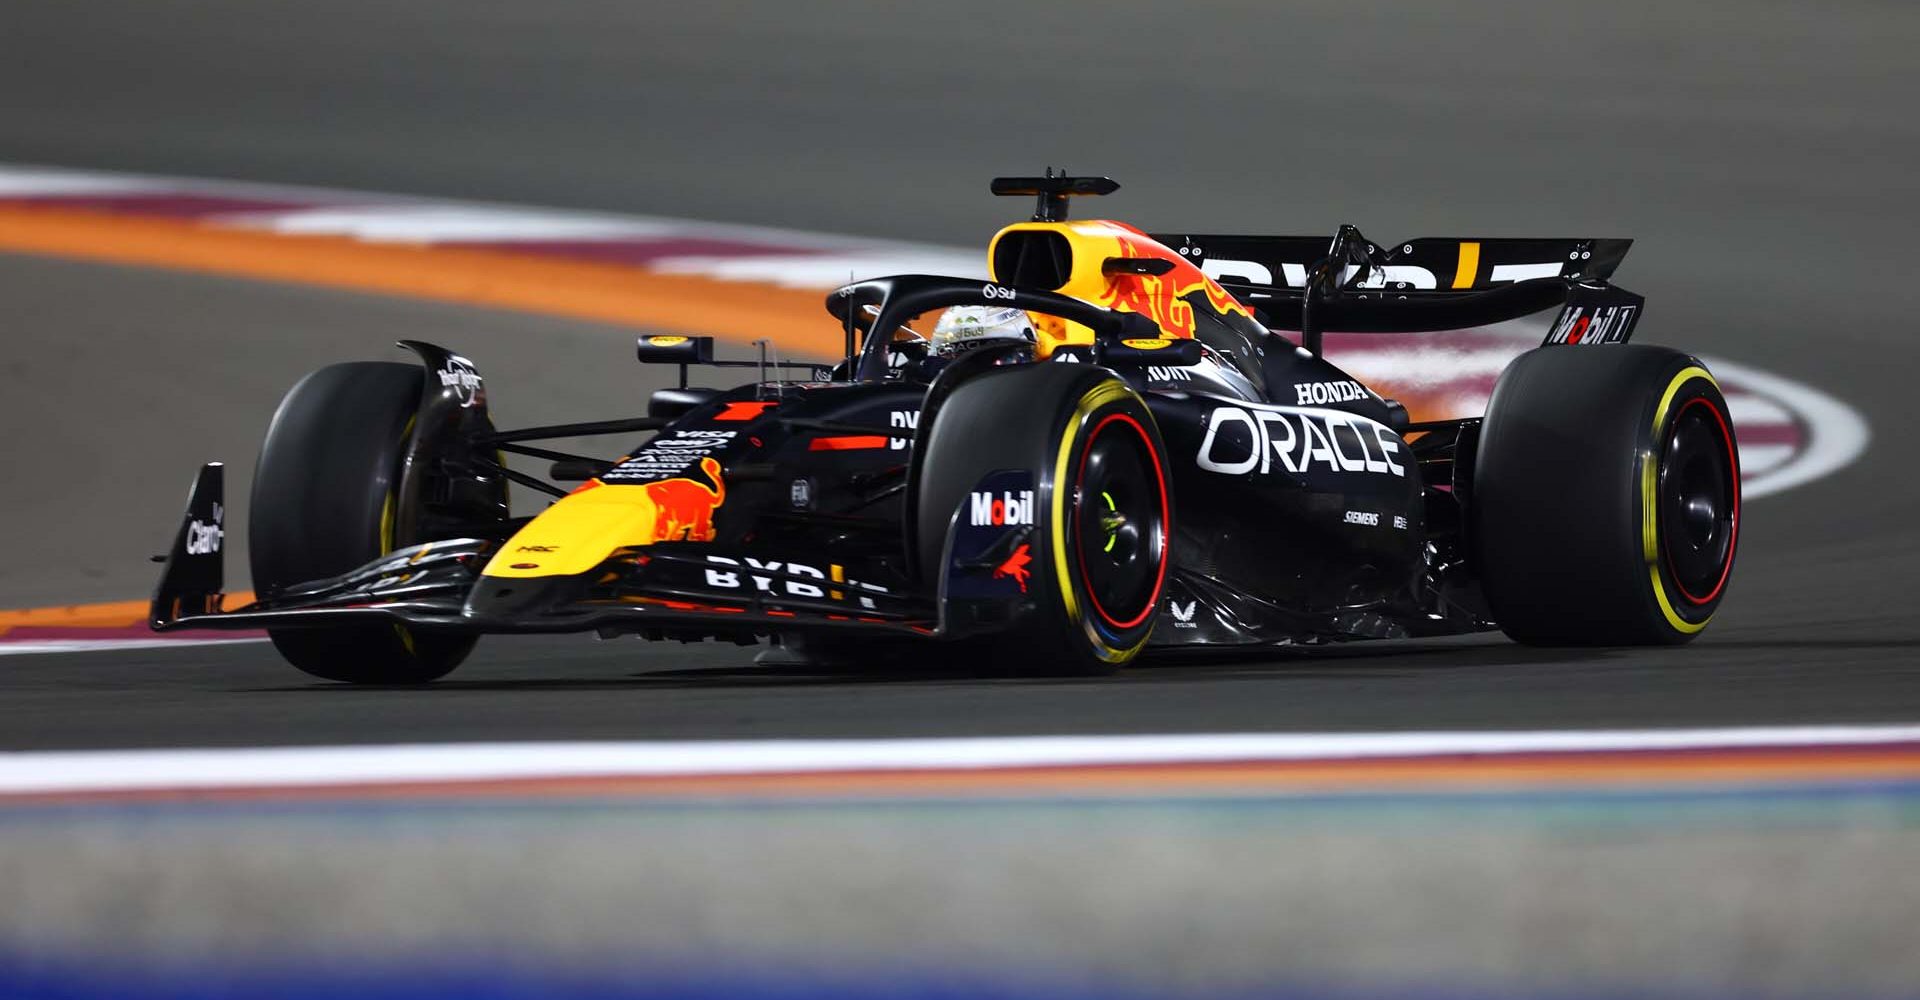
290 767
10 647
1746 408
35 182
1759 458
816 271
1427 366
1837 433
449 224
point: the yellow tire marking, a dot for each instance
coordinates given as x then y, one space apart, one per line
1099 396
1649 516
1469 265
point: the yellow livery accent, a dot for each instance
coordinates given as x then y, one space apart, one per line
584 527
1169 299
1469 265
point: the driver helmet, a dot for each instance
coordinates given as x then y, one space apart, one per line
963 328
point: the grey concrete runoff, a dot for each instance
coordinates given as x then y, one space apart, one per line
1586 899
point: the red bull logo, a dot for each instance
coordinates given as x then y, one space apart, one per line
683 508
1016 567
1164 298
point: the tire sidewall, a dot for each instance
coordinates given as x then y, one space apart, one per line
1111 636
1684 613
324 503
1564 511
1041 417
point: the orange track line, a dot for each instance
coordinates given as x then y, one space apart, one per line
554 286
112 614
1618 770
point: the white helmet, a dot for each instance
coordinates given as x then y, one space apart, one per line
963 328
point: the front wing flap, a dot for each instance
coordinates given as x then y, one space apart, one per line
677 588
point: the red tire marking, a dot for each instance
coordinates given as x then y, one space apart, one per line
1160 577
1733 538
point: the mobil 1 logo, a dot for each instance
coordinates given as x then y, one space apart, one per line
992 536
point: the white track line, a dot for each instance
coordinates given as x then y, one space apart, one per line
33 182
20 647
450 224
1837 433
291 767
826 271
1760 458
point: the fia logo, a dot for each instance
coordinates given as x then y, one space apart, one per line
1183 617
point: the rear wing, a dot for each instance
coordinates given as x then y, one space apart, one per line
1351 284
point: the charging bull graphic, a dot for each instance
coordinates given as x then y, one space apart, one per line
1167 300
683 508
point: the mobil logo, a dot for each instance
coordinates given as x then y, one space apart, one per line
998 508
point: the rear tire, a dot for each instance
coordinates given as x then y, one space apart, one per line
1103 518
323 504
1606 497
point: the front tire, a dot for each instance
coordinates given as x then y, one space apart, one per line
1097 553
323 504
1606 497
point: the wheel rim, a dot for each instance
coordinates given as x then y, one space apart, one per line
1120 522
1699 501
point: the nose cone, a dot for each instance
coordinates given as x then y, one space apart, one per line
578 533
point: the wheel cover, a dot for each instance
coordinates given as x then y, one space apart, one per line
1699 501
1120 518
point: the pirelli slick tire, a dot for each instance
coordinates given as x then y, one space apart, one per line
1092 565
1605 499
323 504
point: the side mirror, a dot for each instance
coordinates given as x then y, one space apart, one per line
1141 352
673 350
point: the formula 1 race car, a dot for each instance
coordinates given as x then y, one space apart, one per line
1152 467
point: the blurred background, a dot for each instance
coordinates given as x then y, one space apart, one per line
1764 155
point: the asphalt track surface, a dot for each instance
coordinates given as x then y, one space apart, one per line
1777 656
1762 155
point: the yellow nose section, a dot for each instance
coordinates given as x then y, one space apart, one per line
578 532
585 526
